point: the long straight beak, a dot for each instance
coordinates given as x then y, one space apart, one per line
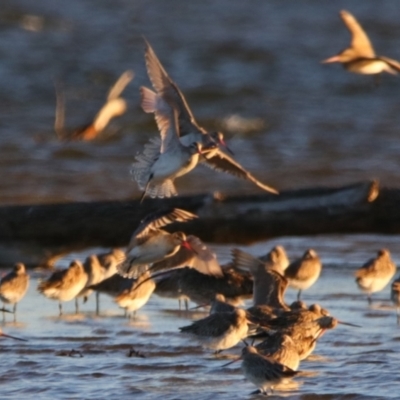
231 362
12 337
349 324
223 143
5 310
331 60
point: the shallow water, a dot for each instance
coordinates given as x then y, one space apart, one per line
348 363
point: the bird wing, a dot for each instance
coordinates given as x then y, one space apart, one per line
204 260
393 63
166 87
201 258
359 39
59 121
212 326
243 260
221 162
120 85
158 219
166 118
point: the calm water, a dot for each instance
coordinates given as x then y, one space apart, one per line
305 124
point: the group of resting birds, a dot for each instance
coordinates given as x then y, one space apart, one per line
180 265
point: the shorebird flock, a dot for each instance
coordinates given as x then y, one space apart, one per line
277 336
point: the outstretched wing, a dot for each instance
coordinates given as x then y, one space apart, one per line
222 162
120 85
359 39
158 219
168 89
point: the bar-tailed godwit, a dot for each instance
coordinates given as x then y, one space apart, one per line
360 57
304 272
376 273
14 286
219 331
65 285
114 107
189 130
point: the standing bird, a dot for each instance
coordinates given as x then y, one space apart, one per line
137 295
376 273
163 161
65 285
98 268
360 57
14 286
189 130
264 372
395 296
114 107
219 331
150 244
304 272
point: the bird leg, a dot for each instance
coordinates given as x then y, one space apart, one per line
76 305
60 308
15 312
299 295
97 303
369 299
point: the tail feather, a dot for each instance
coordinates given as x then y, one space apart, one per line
148 100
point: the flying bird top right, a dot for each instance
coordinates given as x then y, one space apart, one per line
360 57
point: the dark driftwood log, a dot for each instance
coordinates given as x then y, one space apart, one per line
36 232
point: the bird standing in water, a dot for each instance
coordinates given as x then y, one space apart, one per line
14 286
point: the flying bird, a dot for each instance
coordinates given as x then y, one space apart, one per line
360 57
149 243
113 107
189 130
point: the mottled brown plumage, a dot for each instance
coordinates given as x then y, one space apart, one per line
376 273
14 286
304 272
65 285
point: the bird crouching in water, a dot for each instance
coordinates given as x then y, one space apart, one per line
219 331
262 371
360 57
